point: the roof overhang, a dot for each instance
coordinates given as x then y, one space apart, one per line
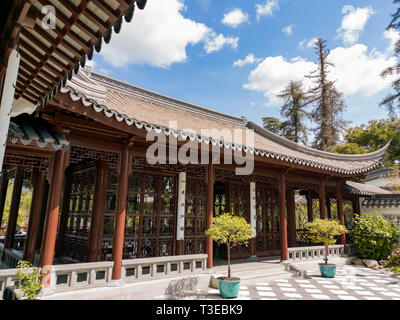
52 50
101 111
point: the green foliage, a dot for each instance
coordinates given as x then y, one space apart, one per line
324 231
29 279
372 137
24 207
328 102
393 261
230 230
293 111
349 148
273 124
374 237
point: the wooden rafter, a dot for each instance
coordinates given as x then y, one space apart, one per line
63 47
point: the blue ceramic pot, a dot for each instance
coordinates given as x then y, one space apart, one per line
229 289
327 270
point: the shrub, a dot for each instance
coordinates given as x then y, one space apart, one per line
374 237
29 279
324 231
393 261
232 231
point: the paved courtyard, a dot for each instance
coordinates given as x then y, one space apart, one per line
350 283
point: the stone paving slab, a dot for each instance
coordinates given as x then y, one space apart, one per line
350 283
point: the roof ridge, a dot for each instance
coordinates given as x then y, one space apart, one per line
313 152
169 101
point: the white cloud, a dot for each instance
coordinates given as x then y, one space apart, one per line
216 42
273 74
288 29
307 43
250 59
357 72
159 36
90 63
394 37
235 17
266 9
353 23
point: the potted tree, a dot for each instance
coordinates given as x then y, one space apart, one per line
232 231
324 231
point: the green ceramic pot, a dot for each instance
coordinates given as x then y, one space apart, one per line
327 270
229 289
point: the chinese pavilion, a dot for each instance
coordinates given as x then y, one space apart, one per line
96 196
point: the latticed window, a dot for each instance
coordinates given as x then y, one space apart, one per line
268 218
79 206
195 212
150 216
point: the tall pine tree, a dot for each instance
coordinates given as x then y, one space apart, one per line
392 101
293 110
328 102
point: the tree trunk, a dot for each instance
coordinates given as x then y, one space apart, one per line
326 254
229 261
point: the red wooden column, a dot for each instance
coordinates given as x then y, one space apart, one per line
97 221
119 231
328 207
340 211
3 194
14 208
210 212
64 214
52 212
356 206
309 206
283 218
38 182
322 199
291 212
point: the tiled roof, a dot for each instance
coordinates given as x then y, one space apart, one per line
25 130
382 201
152 111
364 189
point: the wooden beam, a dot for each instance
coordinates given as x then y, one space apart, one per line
87 142
283 217
210 180
118 241
3 194
322 199
51 222
38 183
340 212
97 220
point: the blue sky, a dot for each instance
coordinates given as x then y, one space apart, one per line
188 49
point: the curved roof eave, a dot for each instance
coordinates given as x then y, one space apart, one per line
100 108
376 155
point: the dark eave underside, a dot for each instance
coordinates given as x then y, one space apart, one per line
50 57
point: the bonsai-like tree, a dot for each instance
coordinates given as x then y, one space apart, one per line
324 231
232 231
